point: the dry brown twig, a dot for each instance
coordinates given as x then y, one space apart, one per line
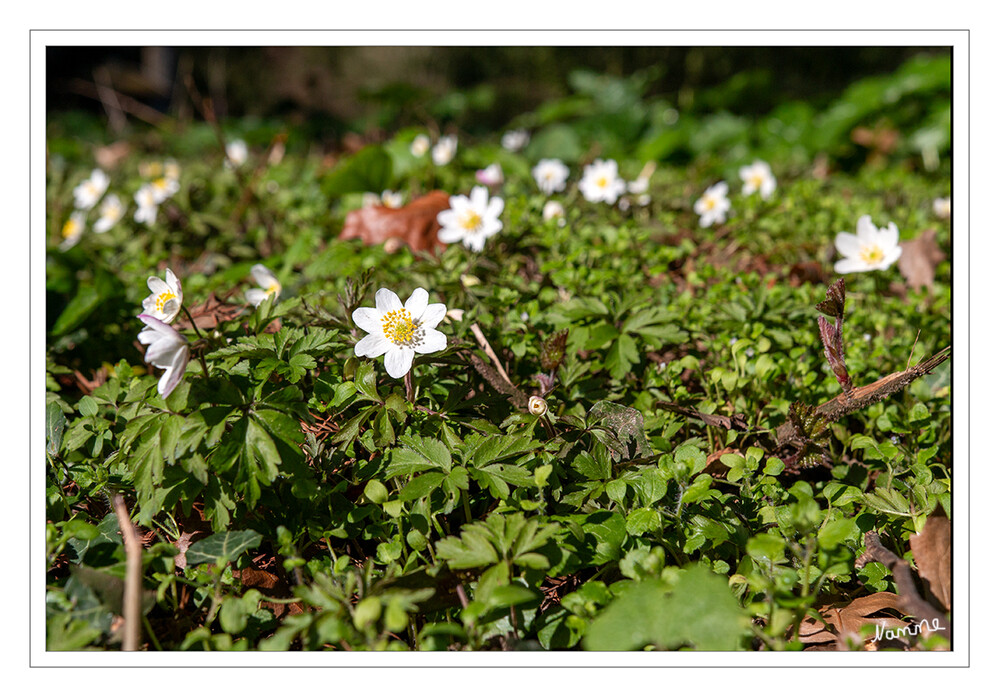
132 596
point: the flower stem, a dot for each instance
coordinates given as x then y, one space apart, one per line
410 389
194 325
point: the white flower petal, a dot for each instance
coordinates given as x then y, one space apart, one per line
847 244
398 360
255 296
850 265
262 275
449 235
432 315
367 318
417 302
386 301
433 340
373 345
171 378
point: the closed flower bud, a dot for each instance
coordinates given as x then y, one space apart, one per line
537 406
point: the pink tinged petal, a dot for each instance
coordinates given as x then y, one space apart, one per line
398 360
386 301
417 302
174 283
432 315
433 341
171 378
847 244
373 345
368 319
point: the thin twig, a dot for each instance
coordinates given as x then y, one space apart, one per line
484 344
132 600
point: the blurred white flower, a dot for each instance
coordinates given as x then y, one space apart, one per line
89 191
72 229
758 177
111 212
392 199
145 199
165 299
171 170
369 199
553 210
471 219
601 182
537 406
163 188
941 207
269 285
713 205
550 175
490 176
400 331
167 349
236 153
869 250
515 140
445 150
419 146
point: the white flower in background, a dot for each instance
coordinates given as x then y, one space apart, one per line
758 177
269 285
445 150
369 199
515 140
601 182
72 229
163 188
400 331
471 219
111 212
941 207
167 349
236 153
419 146
145 199
550 175
171 170
870 249
640 190
490 176
165 299
713 205
391 199
554 210
89 191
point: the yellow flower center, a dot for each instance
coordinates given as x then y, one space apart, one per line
471 221
756 180
602 182
163 298
871 254
399 328
273 289
70 228
709 203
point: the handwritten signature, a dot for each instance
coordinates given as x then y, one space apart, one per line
882 632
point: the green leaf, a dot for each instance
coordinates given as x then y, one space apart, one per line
418 454
370 169
222 547
421 486
55 426
837 532
643 520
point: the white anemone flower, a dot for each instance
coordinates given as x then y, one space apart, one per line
163 188
554 210
871 249
167 349
758 177
601 182
165 299
235 153
490 176
72 229
941 207
269 285
515 140
550 175
713 205
89 191
391 199
419 146
471 219
111 212
400 331
445 150
145 199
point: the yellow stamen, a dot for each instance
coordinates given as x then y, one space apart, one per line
273 289
399 328
163 298
70 228
709 203
471 221
871 254
602 182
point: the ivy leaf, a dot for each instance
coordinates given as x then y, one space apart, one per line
222 547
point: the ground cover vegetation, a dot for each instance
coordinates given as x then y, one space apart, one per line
616 377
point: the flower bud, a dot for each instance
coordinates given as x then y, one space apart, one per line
537 406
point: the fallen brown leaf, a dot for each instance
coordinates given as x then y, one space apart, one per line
919 259
931 552
414 224
209 313
847 618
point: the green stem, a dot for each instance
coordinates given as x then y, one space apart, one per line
194 324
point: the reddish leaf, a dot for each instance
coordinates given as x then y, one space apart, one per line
919 259
847 618
414 225
210 313
931 552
